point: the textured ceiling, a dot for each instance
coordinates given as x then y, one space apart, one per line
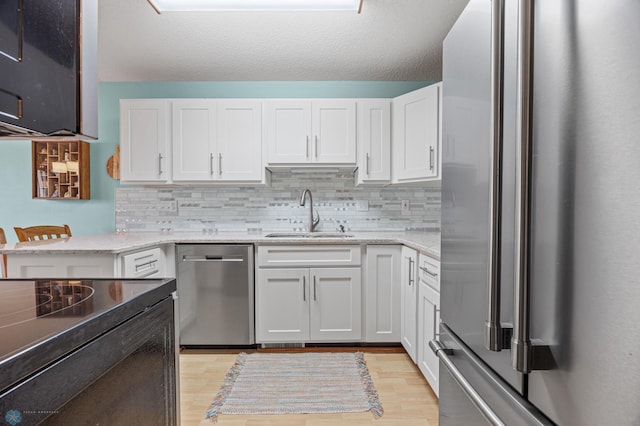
389 40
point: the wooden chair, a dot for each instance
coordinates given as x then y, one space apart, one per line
3 240
44 232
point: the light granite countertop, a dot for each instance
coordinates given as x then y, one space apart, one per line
425 242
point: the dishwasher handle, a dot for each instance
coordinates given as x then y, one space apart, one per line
212 258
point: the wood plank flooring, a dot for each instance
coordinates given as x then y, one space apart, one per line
405 395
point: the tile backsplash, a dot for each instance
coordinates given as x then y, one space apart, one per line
277 208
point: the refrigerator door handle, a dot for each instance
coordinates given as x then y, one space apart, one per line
443 354
493 332
525 356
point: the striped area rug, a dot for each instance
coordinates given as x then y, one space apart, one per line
296 383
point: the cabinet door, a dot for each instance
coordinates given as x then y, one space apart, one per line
382 294
374 141
288 131
282 305
428 323
194 140
61 266
409 292
336 304
416 135
144 140
240 140
334 131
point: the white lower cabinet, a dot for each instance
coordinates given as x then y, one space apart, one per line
428 318
61 265
94 265
382 293
282 305
335 299
315 304
409 299
308 304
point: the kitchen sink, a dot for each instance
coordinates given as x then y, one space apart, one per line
308 235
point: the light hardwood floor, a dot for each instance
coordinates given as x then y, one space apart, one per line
405 395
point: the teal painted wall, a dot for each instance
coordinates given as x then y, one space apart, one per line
96 216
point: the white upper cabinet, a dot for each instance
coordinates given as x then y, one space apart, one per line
194 139
288 131
311 132
217 140
240 140
374 141
417 135
144 140
334 131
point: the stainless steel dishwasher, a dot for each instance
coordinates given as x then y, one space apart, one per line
215 294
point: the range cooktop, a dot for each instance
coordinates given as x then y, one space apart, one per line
33 311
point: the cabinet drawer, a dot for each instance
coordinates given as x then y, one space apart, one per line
429 271
309 255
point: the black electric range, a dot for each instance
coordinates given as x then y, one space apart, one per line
41 320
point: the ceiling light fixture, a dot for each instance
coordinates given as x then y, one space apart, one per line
255 5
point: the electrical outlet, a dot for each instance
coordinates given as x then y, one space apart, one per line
404 207
362 205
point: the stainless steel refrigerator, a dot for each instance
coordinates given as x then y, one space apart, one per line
540 286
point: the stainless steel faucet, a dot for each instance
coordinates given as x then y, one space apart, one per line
313 222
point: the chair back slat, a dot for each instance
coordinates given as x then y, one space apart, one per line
42 232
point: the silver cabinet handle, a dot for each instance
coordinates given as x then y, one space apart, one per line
315 296
315 147
211 163
411 277
443 354
220 164
307 146
367 164
431 158
304 288
493 339
205 258
433 274
160 163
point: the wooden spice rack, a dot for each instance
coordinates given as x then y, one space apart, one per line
61 169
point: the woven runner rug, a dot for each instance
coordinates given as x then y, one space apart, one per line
310 382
